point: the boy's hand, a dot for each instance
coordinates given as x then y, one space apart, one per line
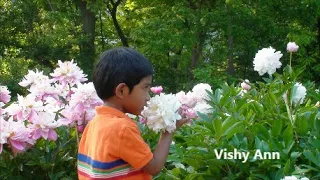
161 152
181 122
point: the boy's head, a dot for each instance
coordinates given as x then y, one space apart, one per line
118 72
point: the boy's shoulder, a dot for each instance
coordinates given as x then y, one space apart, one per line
110 122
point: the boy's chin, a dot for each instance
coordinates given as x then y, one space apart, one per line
136 113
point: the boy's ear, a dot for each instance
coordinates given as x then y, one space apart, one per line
121 90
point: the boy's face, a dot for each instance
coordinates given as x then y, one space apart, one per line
137 99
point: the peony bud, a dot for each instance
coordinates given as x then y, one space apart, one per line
80 128
245 85
142 120
157 89
4 94
292 47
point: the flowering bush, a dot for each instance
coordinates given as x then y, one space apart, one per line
44 122
39 132
279 116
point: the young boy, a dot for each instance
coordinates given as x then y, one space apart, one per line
111 145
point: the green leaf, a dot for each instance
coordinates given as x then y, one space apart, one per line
228 123
258 107
257 143
276 127
302 125
317 123
313 158
203 116
279 174
217 125
288 135
173 158
235 128
315 143
217 96
267 80
286 168
262 132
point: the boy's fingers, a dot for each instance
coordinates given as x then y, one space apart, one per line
185 120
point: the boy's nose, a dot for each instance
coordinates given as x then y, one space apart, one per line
148 97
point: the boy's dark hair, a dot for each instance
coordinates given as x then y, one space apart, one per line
119 65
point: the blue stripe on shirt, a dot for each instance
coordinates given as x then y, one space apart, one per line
100 165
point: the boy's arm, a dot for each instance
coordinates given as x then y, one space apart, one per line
160 154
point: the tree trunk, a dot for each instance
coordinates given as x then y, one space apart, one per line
230 69
87 47
197 49
318 30
113 12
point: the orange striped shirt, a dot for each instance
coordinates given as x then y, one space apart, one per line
111 147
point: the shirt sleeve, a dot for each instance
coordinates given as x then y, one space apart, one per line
133 149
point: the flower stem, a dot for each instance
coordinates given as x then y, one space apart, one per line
290 59
290 116
288 108
77 135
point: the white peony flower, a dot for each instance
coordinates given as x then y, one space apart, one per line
292 47
161 112
203 107
190 169
290 178
132 116
267 60
200 93
299 94
304 178
179 165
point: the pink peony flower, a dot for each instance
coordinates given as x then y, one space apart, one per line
190 113
81 105
25 109
156 90
292 47
84 97
15 134
188 99
69 117
4 94
33 78
44 126
1 110
68 73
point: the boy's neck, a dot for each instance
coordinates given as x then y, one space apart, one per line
114 105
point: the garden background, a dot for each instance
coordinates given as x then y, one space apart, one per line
188 42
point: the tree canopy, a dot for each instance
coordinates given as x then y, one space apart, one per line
187 41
